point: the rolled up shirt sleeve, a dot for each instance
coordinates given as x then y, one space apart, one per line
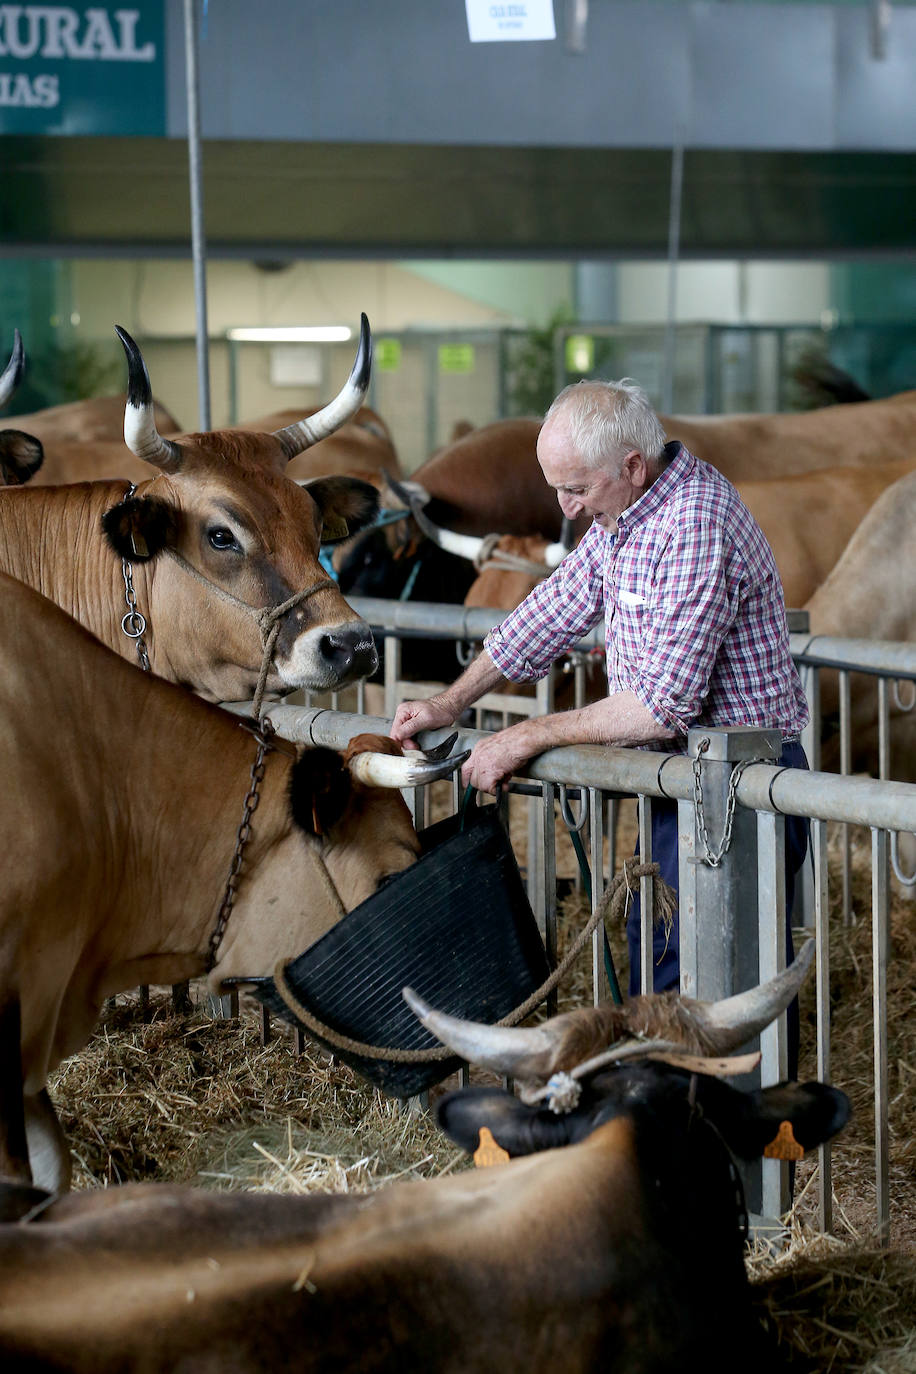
691 607
554 616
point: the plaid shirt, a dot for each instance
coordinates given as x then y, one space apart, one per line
694 614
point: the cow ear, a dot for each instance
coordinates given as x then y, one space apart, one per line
139 528
21 455
816 1112
319 790
519 1129
347 505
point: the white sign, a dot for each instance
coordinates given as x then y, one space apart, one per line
494 21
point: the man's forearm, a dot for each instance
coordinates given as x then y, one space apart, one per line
478 678
620 719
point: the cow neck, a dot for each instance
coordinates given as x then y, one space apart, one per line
49 539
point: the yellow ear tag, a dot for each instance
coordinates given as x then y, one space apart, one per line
334 528
139 545
785 1146
488 1152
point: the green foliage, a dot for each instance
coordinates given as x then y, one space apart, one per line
531 379
67 372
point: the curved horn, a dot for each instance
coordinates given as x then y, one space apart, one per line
464 545
731 1022
12 373
532 1052
520 1051
300 436
413 770
140 433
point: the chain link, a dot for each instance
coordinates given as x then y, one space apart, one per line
133 623
264 736
708 857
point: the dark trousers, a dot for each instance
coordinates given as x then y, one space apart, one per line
664 853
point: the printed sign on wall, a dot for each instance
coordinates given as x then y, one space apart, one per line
509 21
76 69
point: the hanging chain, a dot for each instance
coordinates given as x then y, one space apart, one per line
263 733
133 624
708 857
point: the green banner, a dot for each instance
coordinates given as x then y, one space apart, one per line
386 354
75 69
580 353
456 357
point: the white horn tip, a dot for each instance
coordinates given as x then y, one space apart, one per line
419 1008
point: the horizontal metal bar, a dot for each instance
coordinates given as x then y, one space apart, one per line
762 786
437 620
863 655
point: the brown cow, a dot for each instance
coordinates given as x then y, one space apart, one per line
808 520
360 448
125 795
615 1243
363 447
869 595
217 536
99 419
489 480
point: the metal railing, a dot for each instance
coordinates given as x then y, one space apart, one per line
764 795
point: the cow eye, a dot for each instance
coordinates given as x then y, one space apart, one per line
221 538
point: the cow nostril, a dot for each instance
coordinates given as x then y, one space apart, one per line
350 652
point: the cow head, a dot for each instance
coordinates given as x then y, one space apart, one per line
351 829
581 1069
244 537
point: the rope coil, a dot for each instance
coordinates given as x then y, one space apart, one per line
612 904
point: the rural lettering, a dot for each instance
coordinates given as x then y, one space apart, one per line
60 33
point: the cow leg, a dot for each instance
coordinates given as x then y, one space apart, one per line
14 1150
49 1153
181 999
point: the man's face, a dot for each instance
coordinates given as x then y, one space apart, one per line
600 492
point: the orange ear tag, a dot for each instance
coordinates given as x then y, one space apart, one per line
488 1152
785 1146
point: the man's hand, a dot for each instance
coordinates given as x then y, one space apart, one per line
413 716
495 759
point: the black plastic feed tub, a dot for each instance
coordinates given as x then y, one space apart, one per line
457 927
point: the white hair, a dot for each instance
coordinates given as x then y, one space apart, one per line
606 420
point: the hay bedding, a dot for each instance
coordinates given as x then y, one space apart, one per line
203 1101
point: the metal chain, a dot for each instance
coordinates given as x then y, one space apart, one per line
133 624
708 857
264 735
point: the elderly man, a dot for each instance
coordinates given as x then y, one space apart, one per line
693 609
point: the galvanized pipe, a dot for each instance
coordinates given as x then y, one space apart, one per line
762 786
198 245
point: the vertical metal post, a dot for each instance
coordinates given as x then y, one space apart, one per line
198 247
880 915
773 1174
674 245
646 898
822 937
596 846
719 903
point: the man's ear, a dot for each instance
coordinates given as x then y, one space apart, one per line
139 528
21 455
347 505
319 790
